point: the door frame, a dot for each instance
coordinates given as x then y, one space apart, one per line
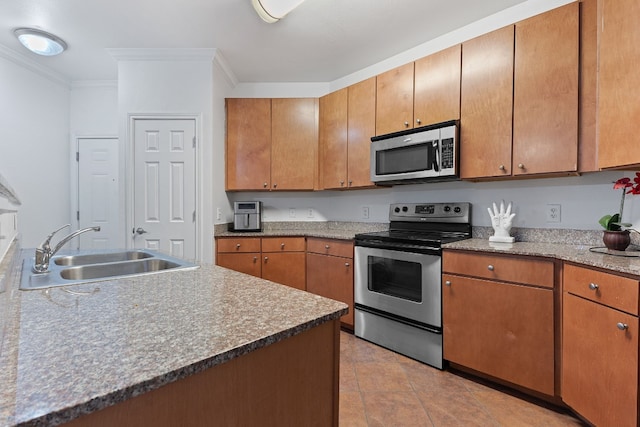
129 172
75 173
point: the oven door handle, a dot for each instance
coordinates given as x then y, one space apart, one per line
401 247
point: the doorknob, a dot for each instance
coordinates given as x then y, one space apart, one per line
139 230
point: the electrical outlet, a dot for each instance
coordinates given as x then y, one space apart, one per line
310 213
553 213
219 214
292 212
365 212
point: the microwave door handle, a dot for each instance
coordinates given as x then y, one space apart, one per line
436 157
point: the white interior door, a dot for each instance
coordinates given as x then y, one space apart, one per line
164 195
98 201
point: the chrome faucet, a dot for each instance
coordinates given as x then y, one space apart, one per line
44 252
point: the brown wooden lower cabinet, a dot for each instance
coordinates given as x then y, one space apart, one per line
261 388
330 272
600 346
497 327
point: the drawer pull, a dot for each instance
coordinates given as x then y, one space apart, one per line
490 267
346 264
447 283
326 246
593 286
266 259
622 326
255 259
238 246
282 245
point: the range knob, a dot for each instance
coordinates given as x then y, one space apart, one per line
396 210
457 209
447 208
405 209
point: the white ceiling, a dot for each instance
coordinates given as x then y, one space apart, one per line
320 41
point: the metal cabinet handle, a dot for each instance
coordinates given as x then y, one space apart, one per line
238 246
490 267
622 326
593 286
502 168
521 166
265 185
255 259
406 124
346 264
275 185
326 246
350 182
266 258
418 121
341 183
282 245
447 283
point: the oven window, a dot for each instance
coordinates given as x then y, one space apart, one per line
401 279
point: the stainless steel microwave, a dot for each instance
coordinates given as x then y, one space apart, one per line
428 153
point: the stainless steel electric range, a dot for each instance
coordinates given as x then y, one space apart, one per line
398 294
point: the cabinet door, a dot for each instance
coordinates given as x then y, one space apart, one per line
361 117
287 268
487 105
394 100
545 110
619 84
500 329
248 262
332 277
599 362
248 144
333 139
437 87
294 146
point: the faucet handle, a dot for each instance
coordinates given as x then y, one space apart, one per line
48 239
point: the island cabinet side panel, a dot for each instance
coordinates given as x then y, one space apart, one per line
292 382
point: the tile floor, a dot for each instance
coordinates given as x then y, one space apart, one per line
381 388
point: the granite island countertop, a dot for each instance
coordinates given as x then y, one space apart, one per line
73 350
580 254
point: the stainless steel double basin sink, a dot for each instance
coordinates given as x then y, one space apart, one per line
96 266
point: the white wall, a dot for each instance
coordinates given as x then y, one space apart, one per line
583 199
34 148
94 108
173 87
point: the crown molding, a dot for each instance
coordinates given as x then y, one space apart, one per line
31 65
226 69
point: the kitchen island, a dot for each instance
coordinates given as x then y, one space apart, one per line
197 347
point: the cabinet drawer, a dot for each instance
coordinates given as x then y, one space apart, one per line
248 263
341 248
606 288
529 271
233 244
283 244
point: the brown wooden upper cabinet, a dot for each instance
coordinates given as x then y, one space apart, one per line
519 100
347 123
419 93
272 144
618 84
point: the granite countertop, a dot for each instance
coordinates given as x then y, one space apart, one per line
72 350
580 254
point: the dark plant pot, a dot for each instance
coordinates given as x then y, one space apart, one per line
616 240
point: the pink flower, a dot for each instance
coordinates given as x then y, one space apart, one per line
622 183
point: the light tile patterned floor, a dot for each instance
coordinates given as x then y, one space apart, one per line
381 388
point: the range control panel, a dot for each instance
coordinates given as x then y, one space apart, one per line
430 212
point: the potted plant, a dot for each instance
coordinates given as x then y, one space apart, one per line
615 237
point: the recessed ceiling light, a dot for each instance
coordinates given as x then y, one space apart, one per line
40 42
273 10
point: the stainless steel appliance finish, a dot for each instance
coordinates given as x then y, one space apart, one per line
398 294
428 153
247 216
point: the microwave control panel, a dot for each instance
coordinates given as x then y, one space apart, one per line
447 150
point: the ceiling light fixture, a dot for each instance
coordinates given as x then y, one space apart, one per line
273 10
40 42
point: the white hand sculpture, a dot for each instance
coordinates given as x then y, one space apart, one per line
501 221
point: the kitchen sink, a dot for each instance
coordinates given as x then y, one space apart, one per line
99 258
97 266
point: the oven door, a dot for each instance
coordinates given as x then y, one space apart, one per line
403 284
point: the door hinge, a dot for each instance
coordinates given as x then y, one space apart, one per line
78 215
194 216
77 156
194 142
